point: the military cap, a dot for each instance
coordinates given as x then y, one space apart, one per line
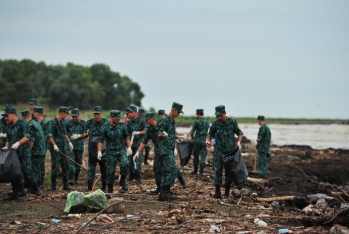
10 110
149 115
115 113
70 107
6 107
161 112
141 110
220 109
261 117
33 101
200 111
75 112
178 107
39 109
132 108
25 113
63 109
97 109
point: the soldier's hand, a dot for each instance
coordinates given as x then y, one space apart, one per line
75 136
15 145
55 147
135 157
129 151
175 152
164 134
3 135
5 148
239 145
71 146
99 155
135 133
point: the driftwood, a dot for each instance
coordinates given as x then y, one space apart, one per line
271 199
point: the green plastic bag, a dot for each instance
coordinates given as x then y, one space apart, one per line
95 200
73 199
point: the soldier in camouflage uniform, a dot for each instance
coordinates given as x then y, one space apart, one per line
167 164
38 151
263 144
3 128
161 114
136 127
18 139
224 130
117 139
57 135
77 132
147 146
200 128
32 104
39 117
70 153
94 126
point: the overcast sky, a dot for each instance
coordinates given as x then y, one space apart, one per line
276 58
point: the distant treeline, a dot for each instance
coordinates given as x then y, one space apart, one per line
70 85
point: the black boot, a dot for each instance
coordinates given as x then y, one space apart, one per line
122 183
110 188
65 185
167 195
21 191
104 189
89 186
195 171
130 178
37 190
157 190
218 192
53 185
183 183
138 178
76 179
71 179
14 195
146 154
202 170
227 190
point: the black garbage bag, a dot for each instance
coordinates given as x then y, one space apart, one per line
235 167
10 167
93 148
185 148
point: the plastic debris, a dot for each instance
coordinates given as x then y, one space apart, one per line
260 223
283 230
55 221
105 218
214 228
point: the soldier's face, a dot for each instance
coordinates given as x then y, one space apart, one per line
10 118
31 107
176 113
75 119
114 120
97 116
221 117
131 114
64 115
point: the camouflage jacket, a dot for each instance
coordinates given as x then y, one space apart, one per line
76 128
58 131
93 126
37 136
15 132
264 135
201 127
225 134
166 144
115 136
136 125
152 135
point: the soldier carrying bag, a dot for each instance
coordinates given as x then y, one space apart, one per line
10 167
235 167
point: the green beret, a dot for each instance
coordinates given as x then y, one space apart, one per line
261 117
200 111
132 108
161 112
33 101
97 109
63 109
115 113
220 109
39 109
141 110
75 112
10 110
149 115
178 107
25 113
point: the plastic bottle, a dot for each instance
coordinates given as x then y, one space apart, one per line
55 221
283 230
74 215
260 222
85 224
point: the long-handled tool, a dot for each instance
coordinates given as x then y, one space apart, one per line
73 161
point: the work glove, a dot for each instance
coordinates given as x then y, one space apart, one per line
129 151
175 152
75 136
55 147
5 148
99 155
15 145
3 135
164 134
71 146
208 144
135 157
135 133
239 145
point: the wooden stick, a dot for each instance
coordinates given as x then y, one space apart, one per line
271 199
94 184
47 202
73 161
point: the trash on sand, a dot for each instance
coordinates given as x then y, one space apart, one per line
260 222
74 215
105 218
214 228
55 221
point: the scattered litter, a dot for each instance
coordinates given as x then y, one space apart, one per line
214 228
105 218
55 221
260 222
74 215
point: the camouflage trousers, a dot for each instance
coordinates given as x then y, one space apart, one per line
37 174
57 159
91 173
71 170
139 161
147 149
262 165
199 150
218 169
76 155
42 168
114 156
167 170
27 169
156 167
